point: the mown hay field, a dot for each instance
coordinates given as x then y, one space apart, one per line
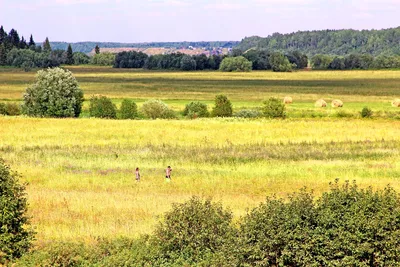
81 171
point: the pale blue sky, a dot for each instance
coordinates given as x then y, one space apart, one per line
188 20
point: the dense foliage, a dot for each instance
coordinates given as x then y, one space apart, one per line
55 93
332 42
346 226
156 109
274 108
15 233
239 63
131 59
223 107
102 107
103 59
196 109
128 109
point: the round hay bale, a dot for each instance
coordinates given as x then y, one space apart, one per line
337 103
320 103
396 103
287 100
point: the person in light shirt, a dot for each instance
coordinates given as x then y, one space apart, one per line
168 171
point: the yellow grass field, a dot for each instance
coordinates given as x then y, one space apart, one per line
81 171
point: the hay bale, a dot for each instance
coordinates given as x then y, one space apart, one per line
287 100
396 103
337 103
320 103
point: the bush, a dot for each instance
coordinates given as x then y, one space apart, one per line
366 112
235 64
128 109
223 107
274 108
55 93
247 113
156 109
103 59
194 231
188 63
10 109
347 226
102 107
343 114
196 109
15 233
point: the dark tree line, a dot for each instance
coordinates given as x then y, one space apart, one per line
174 61
16 52
333 42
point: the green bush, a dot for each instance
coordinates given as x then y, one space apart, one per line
156 109
196 109
343 114
347 226
15 233
235 64
274 108
223 107
3 110
128 109
103 59
280 63
247 113
102 107
366 112
55 93
194 231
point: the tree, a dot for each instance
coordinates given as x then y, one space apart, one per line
81 58
102 107
196 109
3 35
97 49
223 107
274 108
321 62
14 38
128 109
235 64
55 93
70 56
156 109
103 59
195 232
22 43
280 62
46 45
31 42
188 63
15 233
3 55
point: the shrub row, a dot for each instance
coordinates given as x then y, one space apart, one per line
346 226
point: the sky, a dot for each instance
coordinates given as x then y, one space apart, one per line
132 21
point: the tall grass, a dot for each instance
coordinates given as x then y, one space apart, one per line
81 171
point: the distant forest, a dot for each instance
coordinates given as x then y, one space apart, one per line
86 47
329 42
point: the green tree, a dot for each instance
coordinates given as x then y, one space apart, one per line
223 107
321 62
31 42
81 58
70 56
279 62
3 55
188 63
55 93
274 108
102 107
196 109
97 49
128 109
46 45
195 232
156 109
103 59
235 64
16 234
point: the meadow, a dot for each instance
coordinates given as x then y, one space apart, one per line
81 171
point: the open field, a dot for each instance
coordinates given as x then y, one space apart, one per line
81 180
356 89
80 171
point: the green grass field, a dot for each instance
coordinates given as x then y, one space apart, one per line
81 171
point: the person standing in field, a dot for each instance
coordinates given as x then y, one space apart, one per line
137 175
168 171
